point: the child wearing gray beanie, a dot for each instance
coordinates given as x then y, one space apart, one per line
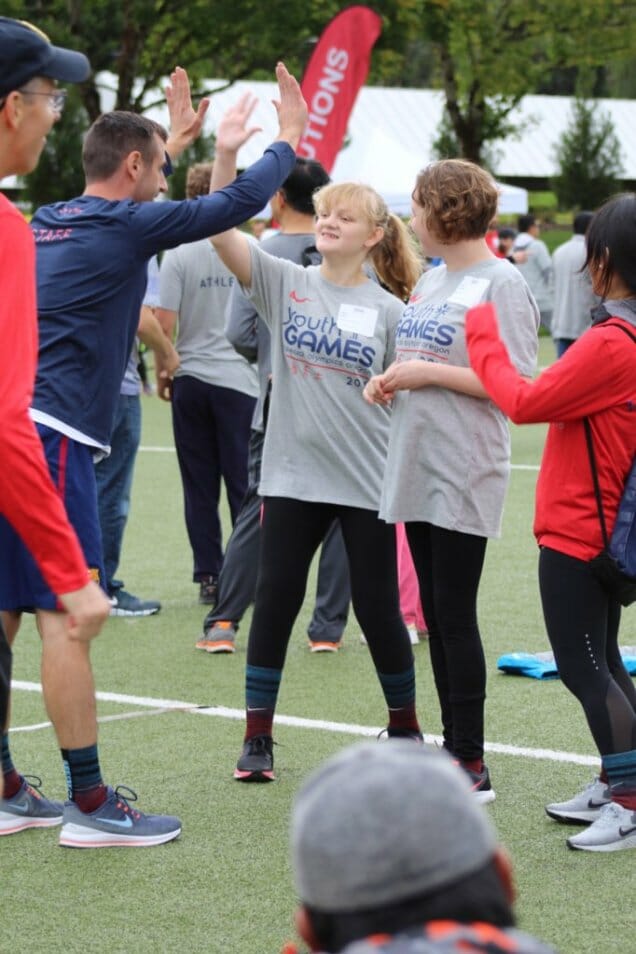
405 851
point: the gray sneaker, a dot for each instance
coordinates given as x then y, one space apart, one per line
28 808
125 604
613 830
584 807
116 824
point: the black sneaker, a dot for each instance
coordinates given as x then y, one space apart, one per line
256 763
480 784
208 586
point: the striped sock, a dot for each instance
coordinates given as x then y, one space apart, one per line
261 695
621 775
399 693
84 777
12 779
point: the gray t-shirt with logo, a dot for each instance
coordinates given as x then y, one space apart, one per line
323 443
449 454
195 283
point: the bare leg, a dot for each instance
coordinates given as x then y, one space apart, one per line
67 682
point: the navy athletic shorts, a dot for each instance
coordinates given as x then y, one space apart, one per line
22 586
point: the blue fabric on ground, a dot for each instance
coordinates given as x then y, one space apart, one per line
542 665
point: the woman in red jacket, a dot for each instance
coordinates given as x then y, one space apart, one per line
595 379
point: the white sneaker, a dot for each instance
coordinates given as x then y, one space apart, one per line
584 807
414 636
613 830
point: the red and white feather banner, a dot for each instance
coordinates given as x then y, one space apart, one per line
337 69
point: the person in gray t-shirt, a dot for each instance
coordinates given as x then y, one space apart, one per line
293 210
449 448
212 395
331 329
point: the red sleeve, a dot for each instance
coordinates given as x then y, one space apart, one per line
573 387
28 498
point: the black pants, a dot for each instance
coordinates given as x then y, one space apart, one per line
582 625
237 581
448 566
5 678
290 535
211 433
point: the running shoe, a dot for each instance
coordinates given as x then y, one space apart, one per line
323 646
480 784
219 638
584 807
613 830
28 808
116 824
208 586
125 604
256 763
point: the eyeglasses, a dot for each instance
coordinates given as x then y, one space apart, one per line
56 99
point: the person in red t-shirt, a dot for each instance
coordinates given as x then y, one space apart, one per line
594 380
30 104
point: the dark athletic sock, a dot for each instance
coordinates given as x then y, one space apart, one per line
261 695
12 779
621 774
84 777
399 692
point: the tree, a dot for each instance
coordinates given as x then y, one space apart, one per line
589 157
489 55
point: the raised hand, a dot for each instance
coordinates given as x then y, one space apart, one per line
233 130
186 123
291 107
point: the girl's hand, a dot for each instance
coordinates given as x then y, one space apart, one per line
375 391
408 375
233 130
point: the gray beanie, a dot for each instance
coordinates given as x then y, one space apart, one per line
383 822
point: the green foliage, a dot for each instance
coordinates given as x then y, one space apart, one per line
488 56
589 157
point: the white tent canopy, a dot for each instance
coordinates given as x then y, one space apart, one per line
391 168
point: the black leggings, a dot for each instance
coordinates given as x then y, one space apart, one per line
582 625
448 566
5 679
290 535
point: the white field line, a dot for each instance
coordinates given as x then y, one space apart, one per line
171 450
160 706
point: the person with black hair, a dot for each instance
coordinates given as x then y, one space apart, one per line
293 209
530 255
212 393
592 386
404 862
574 298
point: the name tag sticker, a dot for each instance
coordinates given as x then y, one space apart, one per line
358 320
469 292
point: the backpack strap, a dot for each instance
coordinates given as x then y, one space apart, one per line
590 445
615 324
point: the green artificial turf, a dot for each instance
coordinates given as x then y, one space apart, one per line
226 885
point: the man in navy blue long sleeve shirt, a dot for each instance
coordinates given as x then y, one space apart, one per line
92 254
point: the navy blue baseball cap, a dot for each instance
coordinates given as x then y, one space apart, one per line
26 52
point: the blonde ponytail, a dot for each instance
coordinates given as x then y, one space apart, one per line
395 259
